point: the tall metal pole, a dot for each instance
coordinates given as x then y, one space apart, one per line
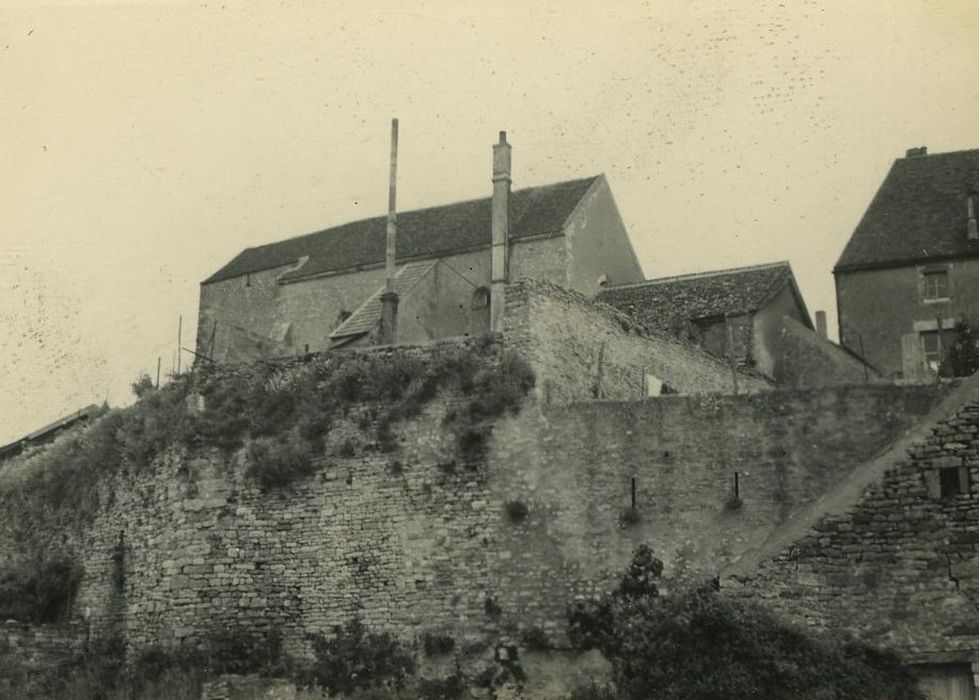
392 227
180 330
158 361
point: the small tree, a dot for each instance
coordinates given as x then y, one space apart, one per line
142 385
962 355
355 658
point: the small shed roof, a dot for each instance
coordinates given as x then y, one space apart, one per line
366 316
669 302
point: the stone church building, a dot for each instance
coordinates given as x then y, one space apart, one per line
323 290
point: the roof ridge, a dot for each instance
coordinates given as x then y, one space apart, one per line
942 153
419 210
449 226
701 275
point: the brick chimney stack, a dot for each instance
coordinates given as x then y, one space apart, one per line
821 325
500 261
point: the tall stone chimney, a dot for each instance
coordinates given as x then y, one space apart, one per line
821 325
389 299
500 260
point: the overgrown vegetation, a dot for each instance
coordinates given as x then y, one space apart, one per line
281 413
701 644
962 355
154 674
535 638
39 590
435 644
355 658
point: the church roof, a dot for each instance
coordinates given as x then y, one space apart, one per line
669 302
918 214
422 233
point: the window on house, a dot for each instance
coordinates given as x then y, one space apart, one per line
934 350
948 478
947 482
935 284
481 298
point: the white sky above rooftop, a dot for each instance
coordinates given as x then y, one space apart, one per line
146 143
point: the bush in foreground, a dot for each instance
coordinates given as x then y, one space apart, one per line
701 645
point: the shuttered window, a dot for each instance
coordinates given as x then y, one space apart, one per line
947 482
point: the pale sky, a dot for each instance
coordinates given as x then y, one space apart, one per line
144 144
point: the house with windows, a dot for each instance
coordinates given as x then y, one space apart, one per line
327 289
754 316
910 271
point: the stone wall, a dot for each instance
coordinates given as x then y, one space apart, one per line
235 307
582 349
767 335
808 361
899 566
413 542
34 651
576 466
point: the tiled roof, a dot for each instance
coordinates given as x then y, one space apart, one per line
368 314
435 231
669 302
43 434
918 214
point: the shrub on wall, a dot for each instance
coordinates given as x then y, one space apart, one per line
535 638
449 688
39 590
435 644
355 658
277 462
701 644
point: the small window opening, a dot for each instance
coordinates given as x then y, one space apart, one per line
479 315
950 482
653 385
935 284
935 346
481 298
